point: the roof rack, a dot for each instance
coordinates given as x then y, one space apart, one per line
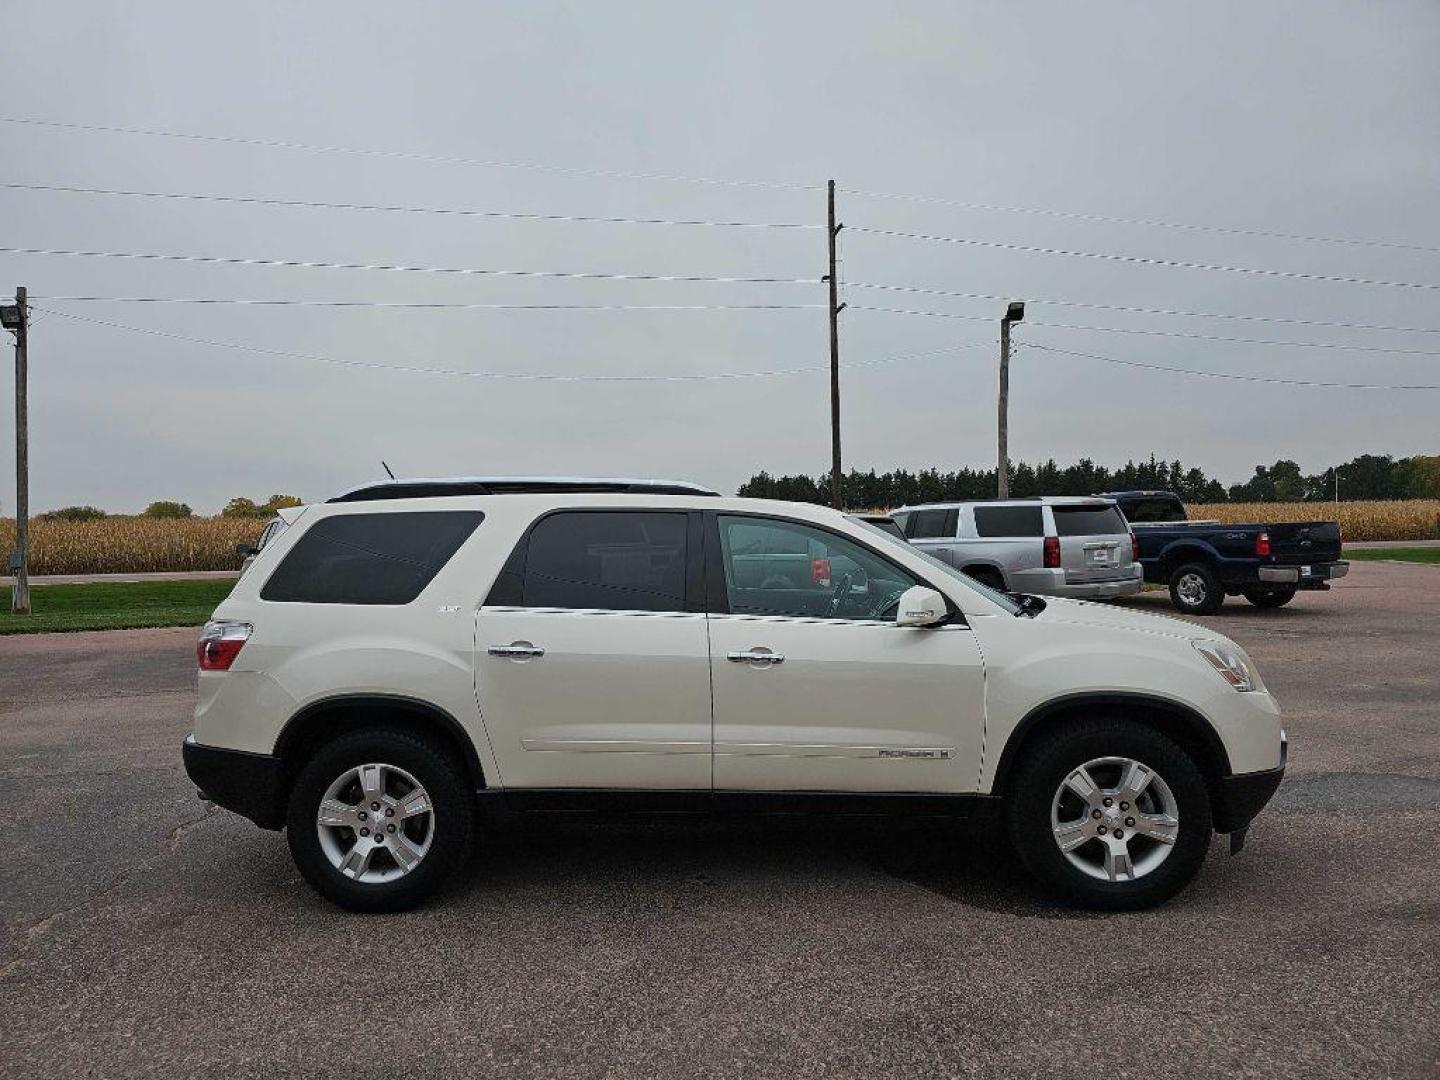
434 488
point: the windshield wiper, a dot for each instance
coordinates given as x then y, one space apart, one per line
1029 605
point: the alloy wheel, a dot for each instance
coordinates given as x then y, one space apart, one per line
1115 819
376 823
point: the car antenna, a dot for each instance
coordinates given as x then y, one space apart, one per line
387 470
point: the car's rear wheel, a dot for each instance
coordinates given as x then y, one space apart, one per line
1110 814
378 819
1195 590
1270 598
987 575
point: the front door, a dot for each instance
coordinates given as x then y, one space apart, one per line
591 655
815 687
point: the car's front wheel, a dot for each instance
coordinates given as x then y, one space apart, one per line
1110 814
378 819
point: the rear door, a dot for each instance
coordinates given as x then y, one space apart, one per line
934 530
1094 541
592 664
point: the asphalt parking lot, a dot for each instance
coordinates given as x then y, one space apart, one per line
143 936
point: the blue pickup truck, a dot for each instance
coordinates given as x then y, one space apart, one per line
1203 562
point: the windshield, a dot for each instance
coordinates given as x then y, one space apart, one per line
993 595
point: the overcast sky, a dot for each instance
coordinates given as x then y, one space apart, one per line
1304 117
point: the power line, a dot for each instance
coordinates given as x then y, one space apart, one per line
1141 260
315 204
426 305
1073 215
1157 333
1130 308
445 159
1228 375
524 376
302 264
402 155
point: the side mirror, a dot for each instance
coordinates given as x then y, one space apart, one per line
246 550
920 606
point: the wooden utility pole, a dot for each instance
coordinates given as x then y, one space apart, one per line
20 594
837 496
1014 313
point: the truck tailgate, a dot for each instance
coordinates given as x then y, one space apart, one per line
1304 542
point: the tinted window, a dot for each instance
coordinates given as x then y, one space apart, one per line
611 561
1009 521
1089 520
931 524
369 558
785 568
1157 509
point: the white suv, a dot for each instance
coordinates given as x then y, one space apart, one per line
393 667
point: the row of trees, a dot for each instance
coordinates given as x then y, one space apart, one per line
165 508
1366 477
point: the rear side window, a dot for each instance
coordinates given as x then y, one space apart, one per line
369 558
611 561
1096 520
931 524
1009 521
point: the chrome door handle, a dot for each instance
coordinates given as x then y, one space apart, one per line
755 656
518 650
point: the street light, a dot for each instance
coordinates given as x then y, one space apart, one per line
1014 313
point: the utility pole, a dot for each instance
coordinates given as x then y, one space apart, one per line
837 497
17 319
1014 313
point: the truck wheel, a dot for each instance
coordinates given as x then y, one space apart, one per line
378 819
987 575
1110 814
1269 598
1195 590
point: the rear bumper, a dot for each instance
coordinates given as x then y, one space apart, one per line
1310 576
1054 583
249 784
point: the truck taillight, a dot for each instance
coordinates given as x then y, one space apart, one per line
1262 545
1134 547
220 642
1052 552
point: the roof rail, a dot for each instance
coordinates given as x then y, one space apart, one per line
434 488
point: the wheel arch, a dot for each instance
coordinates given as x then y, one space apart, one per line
321 721
1188 728
1185 551
983 564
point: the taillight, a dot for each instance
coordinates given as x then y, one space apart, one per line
220 642
1262 545
1052 552
820 572
1134 547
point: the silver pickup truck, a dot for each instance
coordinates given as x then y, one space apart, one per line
1076 546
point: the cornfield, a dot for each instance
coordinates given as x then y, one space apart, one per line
1410 519
133 544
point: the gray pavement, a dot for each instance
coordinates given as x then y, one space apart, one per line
163 575
145 937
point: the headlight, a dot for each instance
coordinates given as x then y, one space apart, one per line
1232 664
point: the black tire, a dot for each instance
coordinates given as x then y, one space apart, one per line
1044 768
453 803
987 575
1270 598
1202 592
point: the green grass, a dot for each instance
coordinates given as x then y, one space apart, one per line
1400 554
113 605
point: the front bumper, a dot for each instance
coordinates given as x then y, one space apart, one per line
249 784
1241 796
1312 576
